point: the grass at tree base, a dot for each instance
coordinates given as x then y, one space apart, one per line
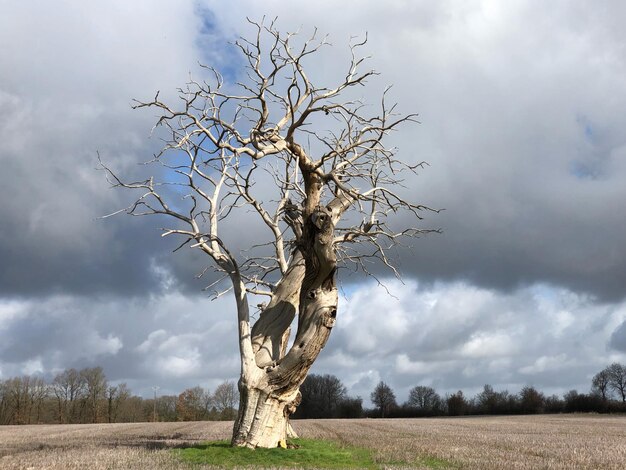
300 453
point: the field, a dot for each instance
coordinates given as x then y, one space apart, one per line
521 442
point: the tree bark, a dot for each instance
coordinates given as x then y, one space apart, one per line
269 392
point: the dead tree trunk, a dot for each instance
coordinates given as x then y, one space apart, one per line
270 392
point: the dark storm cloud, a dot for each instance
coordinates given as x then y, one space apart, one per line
66 95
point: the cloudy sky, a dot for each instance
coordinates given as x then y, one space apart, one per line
522 116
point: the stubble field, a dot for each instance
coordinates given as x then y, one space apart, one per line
521 442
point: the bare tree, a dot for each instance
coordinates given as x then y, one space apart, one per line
491 402
115 396
321 396
4 402
166 407
96 388
457 404
384 398
39 391
68 388
20 399
600 384
531 400
336 186
191 404
225 399
424 398
617 379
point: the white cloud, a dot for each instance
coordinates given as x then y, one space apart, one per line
546 364
99 345
151 342
404 365
181 366
10 310
33 366
459 336
488 345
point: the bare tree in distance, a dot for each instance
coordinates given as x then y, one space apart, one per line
384 398
192 404
600 384
95 387
225 399
39 392
69 388
531 400
115 396
457 404
336 188
321 396
617 379
424 398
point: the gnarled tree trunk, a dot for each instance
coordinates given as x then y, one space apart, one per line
269 392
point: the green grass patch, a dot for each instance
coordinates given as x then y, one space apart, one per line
307 453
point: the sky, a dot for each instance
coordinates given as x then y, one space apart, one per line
521 109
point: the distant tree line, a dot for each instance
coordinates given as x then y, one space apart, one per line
607 395
324 396
86 396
